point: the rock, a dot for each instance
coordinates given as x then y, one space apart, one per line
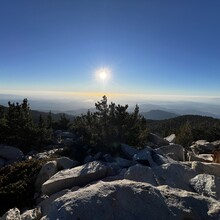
128 151
11 214
10 153
66 163
126 199
205 147
201 157
121 199
207 185
208 168
34 214
123 163
47 154
119 176
157 140
108 158
207 157
113 169
174 151
149 157
175 175
171 138
88 159
47 171
160 159
78 176
41 156
45 204
145 157
140 173
216 144
189 205
97 156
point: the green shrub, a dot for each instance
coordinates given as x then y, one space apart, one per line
17 184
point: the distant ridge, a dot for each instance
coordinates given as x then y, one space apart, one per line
159 115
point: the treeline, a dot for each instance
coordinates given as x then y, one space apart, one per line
105 129
17 127
188 128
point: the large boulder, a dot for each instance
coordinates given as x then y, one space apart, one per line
149 157
205 147
207 185
207 168
140 173
78 176
145 157
175 175
157 140
66 163
174 151
122 199
189 205
125 199
123 163
10 153
128 151
47 171
45 204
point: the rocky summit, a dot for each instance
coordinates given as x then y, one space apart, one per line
158 182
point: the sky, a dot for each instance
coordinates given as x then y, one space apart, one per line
151 49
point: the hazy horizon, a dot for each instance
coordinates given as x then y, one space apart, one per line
76 106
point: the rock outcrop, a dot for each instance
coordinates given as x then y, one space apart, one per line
205 147
174 151
126 199
157 140
10 153
207 185
47 171
153 183
78 176
128 151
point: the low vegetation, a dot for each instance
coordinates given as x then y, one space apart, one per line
17 184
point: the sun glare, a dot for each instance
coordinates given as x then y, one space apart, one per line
103 74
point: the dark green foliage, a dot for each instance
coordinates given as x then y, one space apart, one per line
188 128
17 184
18 129
62 124
110 126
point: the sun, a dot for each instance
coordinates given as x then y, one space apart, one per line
103 74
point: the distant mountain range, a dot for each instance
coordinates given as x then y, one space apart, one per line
158 115
157 110
184 108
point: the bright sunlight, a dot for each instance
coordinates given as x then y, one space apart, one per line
103 74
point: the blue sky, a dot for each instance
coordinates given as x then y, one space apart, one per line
152 48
